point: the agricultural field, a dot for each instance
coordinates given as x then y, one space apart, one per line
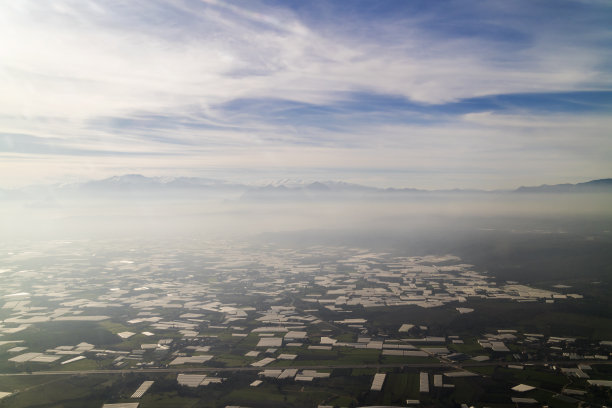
243 325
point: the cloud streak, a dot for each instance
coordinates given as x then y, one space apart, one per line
223 83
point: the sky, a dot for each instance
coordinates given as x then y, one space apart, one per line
425 94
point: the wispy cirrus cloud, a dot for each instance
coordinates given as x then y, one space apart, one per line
285 86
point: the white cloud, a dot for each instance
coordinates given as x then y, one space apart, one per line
82 59
68 66
490 151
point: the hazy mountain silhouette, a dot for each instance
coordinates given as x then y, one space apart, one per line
134 185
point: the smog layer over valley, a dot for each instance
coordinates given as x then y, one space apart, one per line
305 204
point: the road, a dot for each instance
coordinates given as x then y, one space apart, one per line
464 365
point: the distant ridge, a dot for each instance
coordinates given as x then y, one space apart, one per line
138 181
135 185
593 186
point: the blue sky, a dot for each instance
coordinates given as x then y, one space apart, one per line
428 94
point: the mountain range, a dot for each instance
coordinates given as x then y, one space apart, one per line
136 185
